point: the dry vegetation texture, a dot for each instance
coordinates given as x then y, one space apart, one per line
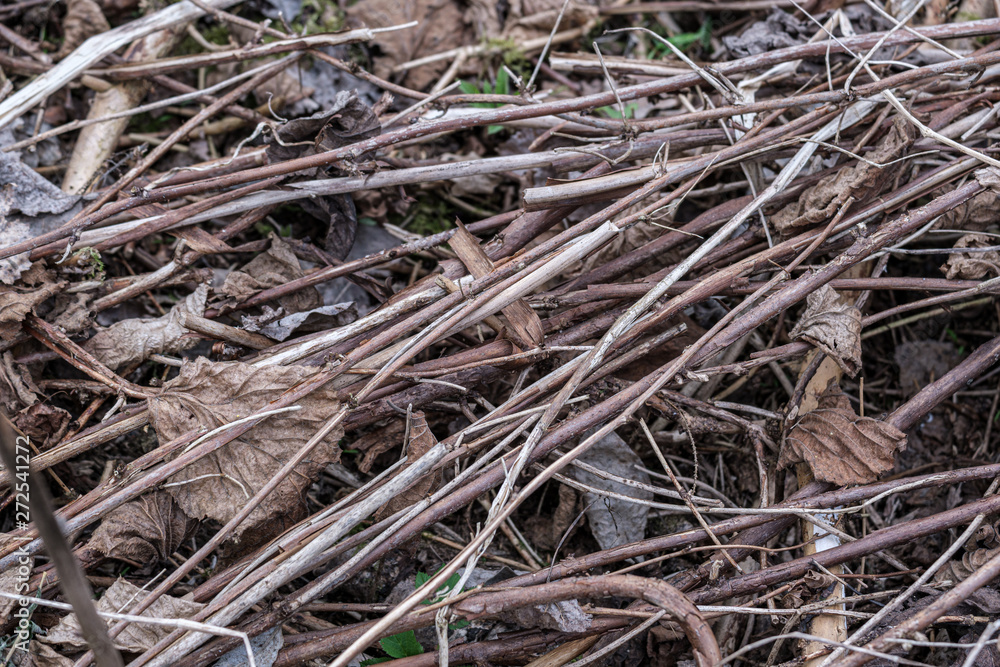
603 332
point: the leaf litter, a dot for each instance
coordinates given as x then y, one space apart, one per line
208 395
781 242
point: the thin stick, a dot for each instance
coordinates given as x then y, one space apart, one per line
72 580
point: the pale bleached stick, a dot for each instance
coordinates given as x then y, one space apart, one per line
95 49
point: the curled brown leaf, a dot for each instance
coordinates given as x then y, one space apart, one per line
17 387
43 423
16 303
132 341
421 442
378 442
838 445
973 265
833 326
862 181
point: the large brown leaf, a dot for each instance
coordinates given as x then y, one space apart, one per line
120 599
143 532
833 326
132 341
839 446
208 395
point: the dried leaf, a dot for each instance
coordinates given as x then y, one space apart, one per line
812 584
43 422
121 597
989 656
612 521
350 120
378 442
11 582
37 274
565 616
778 31
839 446
41 655
132 341
861 180
973 265
311 321
16 303
71 312
84 19
17 388
421 442
960 570
208 395
833 326
269 269
989 178
143 532
199 240
783 29
340 216
974 215
441 27
254 323
12 233
28 192
346 121
986 599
